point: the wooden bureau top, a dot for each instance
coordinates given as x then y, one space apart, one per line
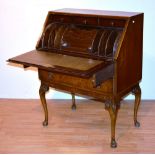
87 12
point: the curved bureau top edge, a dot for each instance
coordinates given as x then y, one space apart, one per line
95 13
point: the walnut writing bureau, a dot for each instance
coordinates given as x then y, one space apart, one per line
91 53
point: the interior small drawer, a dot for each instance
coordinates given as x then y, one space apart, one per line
112 22
62 18
86 20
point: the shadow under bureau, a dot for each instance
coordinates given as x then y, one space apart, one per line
91 53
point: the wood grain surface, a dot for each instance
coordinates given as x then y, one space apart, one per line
53 60
86 130
95 12
65 64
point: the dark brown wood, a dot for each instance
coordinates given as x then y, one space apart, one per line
129 74
137 92
112 108
73 102
91 53
100 13
43 89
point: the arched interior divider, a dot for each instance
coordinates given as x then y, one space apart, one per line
84 39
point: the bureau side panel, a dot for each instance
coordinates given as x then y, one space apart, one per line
129 60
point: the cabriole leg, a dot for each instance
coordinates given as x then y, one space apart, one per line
137 92
113 110
73 102
43 89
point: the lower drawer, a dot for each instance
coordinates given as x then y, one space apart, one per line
75 82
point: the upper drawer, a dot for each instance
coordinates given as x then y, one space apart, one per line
61 18
112 22
74 19
85 20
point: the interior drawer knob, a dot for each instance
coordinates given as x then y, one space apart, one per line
64 44
85 21
61 19
112 23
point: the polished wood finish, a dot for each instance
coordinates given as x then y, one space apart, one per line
59 63
73 102
113 111
137 92
98 13
92 53
127 59
85 130
43 89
